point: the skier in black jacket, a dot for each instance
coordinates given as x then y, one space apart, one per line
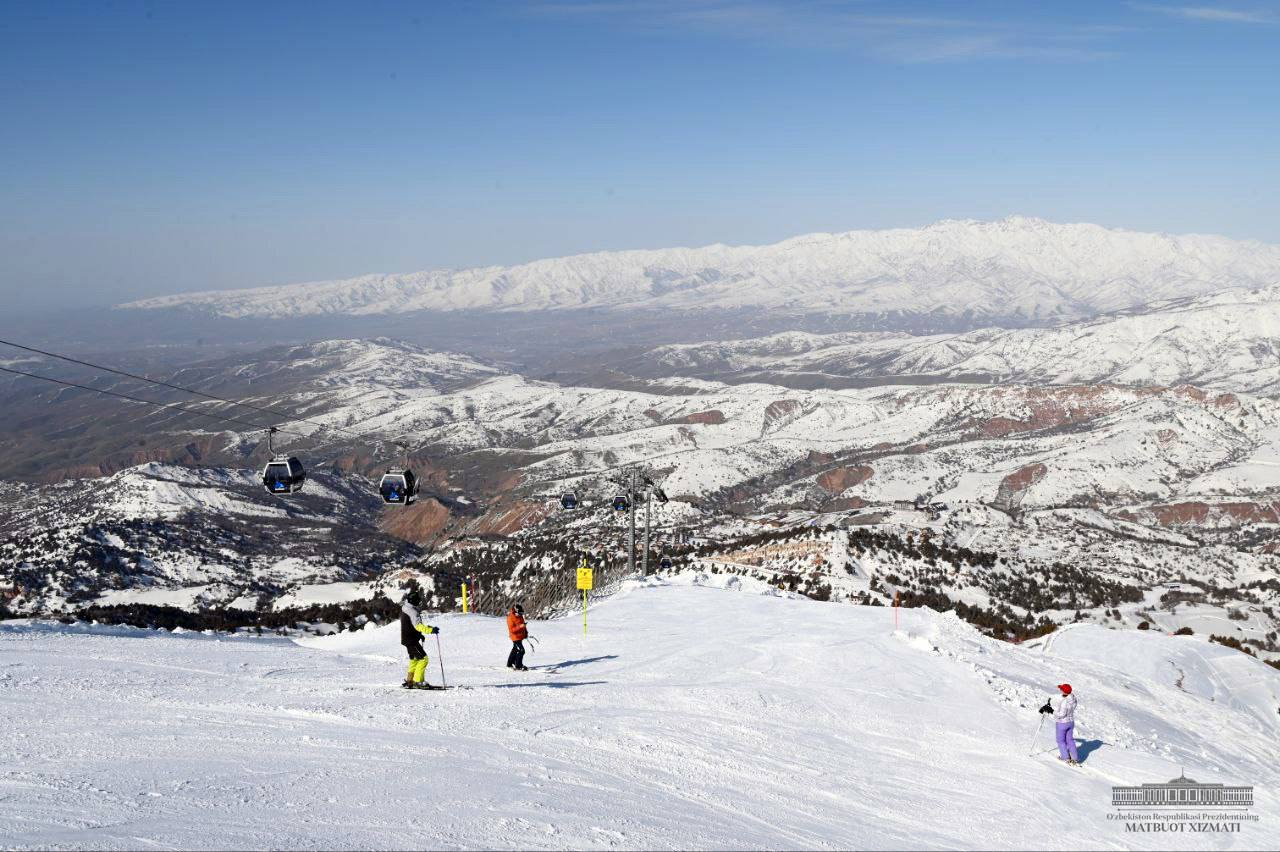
412 629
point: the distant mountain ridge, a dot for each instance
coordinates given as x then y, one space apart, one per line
1016 271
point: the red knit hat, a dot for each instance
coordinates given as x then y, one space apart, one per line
1065 687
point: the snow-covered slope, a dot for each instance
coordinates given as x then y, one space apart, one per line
1072 445
330 365
1017 270
164 534
1097 444
1227 341
495 448
101 435
689 717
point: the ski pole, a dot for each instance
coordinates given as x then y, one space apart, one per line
440 654
1039 728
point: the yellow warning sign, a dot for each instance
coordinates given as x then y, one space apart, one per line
585 579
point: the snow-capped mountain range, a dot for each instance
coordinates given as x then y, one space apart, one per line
1017 271
1125 419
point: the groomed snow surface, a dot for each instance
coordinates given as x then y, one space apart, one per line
689 717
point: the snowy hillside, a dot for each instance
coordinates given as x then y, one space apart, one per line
962 440
1177 459
689 717
192 538
1227 342
329 365
1149 486
101 435
484 432
1016 270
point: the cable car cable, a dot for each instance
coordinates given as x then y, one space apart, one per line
407 496
289 417
172 405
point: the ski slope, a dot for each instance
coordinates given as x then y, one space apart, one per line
690 717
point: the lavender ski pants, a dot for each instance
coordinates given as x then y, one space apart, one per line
1067 740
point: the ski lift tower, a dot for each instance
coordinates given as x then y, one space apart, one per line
637 484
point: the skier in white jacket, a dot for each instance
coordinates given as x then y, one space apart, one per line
412 629
1065 716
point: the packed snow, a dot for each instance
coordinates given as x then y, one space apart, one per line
688 717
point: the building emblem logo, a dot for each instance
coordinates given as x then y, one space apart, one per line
1182 792
1184 806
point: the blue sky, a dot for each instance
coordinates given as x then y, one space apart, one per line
166 146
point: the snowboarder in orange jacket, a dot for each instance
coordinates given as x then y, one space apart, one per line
518 632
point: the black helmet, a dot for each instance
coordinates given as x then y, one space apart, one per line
519 609
414 598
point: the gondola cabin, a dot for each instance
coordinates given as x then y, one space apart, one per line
283 475
621 503
398 487
569 501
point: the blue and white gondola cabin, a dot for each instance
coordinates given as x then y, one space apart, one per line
398 487
283 475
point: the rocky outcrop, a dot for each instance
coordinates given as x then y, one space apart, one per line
781 412
509 518
1205 515
1013 488
1226 400
840 479
714 417
419 523
1044 409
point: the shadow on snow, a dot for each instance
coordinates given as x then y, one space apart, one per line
1084 748
549 684
581 662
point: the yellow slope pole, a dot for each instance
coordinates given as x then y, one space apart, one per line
586 580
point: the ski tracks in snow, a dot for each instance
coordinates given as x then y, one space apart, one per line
691 718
